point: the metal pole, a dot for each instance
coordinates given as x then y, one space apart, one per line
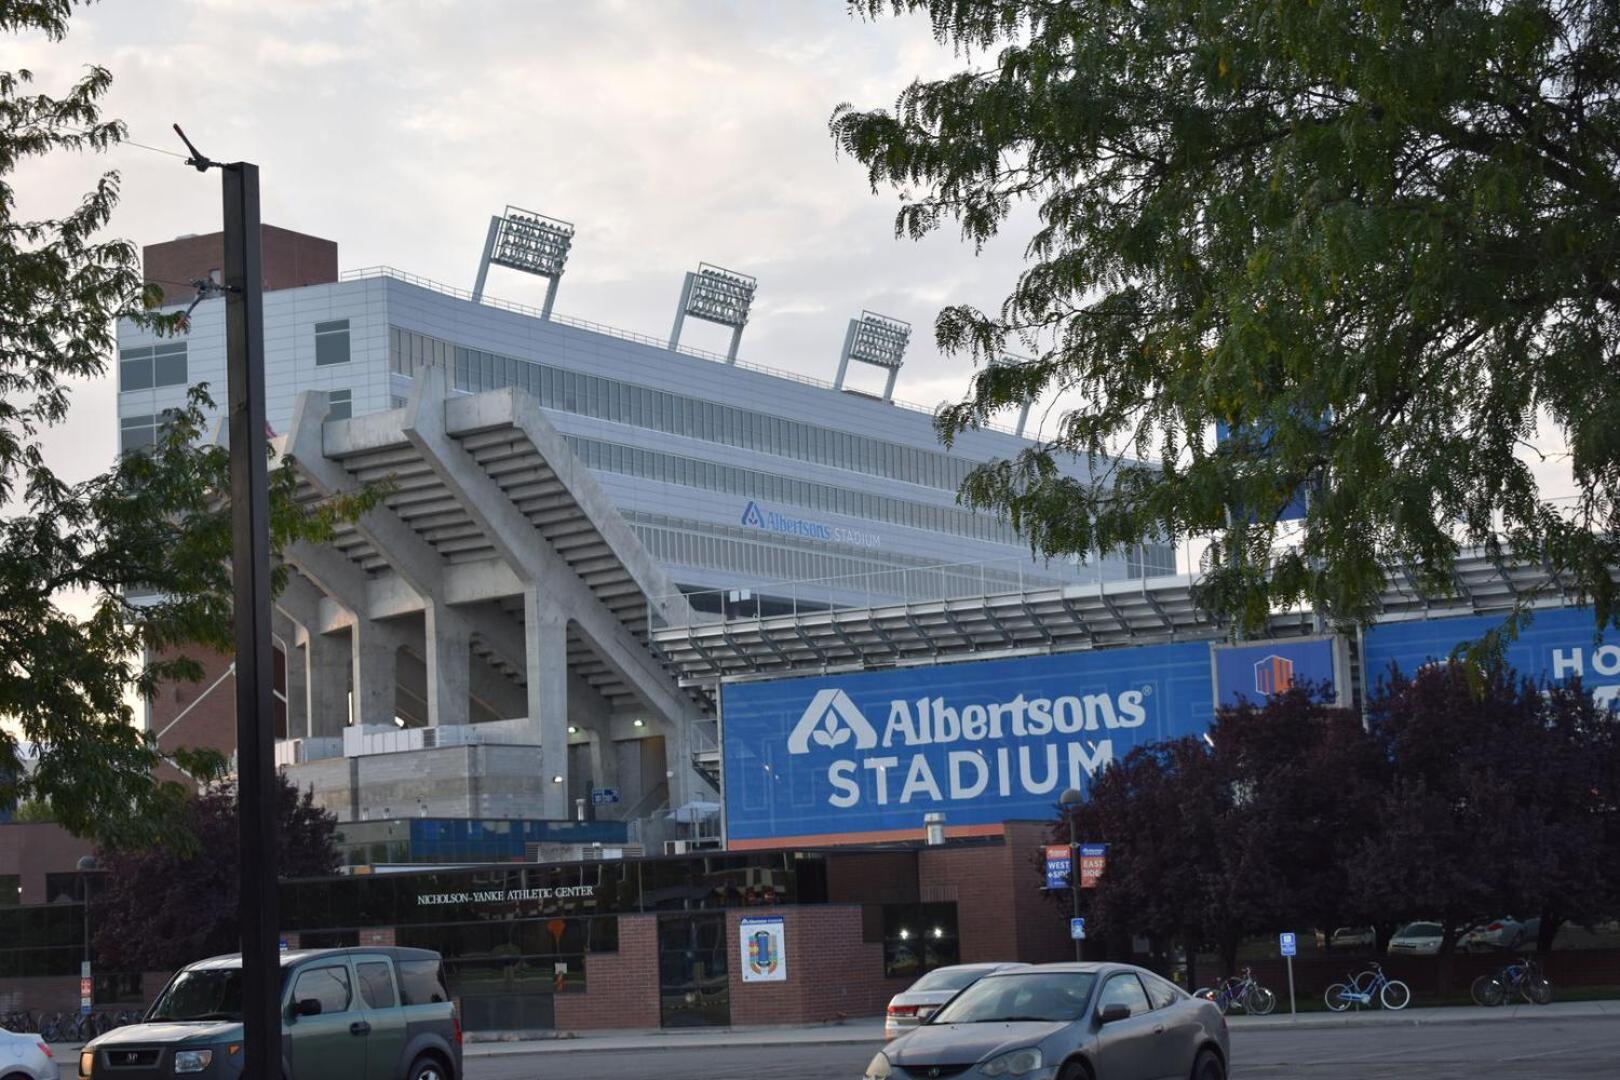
250 574
1074 876
483 263
1292 1011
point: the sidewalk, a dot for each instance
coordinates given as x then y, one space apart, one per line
1450 1014
868 1030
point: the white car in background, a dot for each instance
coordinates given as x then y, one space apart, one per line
25 1057
918 1002
1417 939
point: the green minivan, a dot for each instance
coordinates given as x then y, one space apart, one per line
347 1014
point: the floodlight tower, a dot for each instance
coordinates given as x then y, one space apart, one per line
1009 360
530 242
877 340
715 295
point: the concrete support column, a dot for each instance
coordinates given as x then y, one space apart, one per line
375 652
326 685
545 651
287 635
604 758
448 651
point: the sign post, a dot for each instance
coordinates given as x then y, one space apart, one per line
87 989
1289 945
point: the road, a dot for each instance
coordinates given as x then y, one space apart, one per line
1542 1050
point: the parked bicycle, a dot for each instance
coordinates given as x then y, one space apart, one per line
82 1027
1522 977
19 1020
1242 991
1367 988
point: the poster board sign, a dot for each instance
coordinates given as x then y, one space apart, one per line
764 949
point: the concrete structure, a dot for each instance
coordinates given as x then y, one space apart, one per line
557 491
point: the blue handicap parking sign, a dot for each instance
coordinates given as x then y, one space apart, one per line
1288 944
1077 929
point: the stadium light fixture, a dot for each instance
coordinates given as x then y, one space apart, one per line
529 242
877 340
715 294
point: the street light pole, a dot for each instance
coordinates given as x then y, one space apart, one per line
258 902
1069 800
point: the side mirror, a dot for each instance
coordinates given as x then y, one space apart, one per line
307 1007
1111 1013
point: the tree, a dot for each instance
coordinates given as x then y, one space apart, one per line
168 905
156 523
1379 241
1497 804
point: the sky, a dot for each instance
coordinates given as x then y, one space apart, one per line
668 131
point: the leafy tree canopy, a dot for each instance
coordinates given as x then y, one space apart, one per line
149 539
1380 240
169 905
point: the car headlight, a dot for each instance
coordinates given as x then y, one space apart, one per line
87 1062
190 1061
1016 1063
879 1068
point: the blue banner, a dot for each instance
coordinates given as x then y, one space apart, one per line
1255 670
846 757
1557 644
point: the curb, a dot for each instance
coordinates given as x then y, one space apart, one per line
653 1043
1316 1021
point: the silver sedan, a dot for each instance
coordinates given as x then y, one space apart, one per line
919 1000
1064 1022
23 1055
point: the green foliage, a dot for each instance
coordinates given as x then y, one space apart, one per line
1386 234
33 812
155 525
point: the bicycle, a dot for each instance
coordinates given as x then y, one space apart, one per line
1523 976
1242 991
1391 993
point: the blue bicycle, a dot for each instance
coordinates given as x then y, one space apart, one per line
1366 989
1522 977
1241 990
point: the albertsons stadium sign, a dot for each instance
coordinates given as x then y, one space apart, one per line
859 756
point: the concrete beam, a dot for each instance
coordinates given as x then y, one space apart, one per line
545 641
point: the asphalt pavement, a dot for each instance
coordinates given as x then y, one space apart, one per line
1572 1042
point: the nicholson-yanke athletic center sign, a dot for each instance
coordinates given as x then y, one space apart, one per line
863 756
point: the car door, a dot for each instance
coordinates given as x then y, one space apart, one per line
379 998
1133 1048
1177 1013
330 1045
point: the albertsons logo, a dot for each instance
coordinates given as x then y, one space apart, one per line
752 516
771 521
931 751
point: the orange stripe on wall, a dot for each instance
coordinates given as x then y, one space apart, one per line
879 837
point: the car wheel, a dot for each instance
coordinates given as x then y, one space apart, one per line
427 1068
1074 1070
1208 1066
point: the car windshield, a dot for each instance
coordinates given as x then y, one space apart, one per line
946 979
204 994
1053 996
1422 929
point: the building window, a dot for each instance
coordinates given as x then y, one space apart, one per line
135 432
340 404
332 342
10 890
149 366
919 938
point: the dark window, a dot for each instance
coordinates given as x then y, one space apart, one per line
332 342
327 985
1124 990
340 404
11 889
148 366
421 982
376 984
119 988
605 934
62 888
1161 993
919 938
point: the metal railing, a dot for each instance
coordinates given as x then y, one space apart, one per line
362 273
877 588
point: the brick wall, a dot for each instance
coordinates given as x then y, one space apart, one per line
1043 919
832 974
977 877
33 850
377 937
621 989
291 259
